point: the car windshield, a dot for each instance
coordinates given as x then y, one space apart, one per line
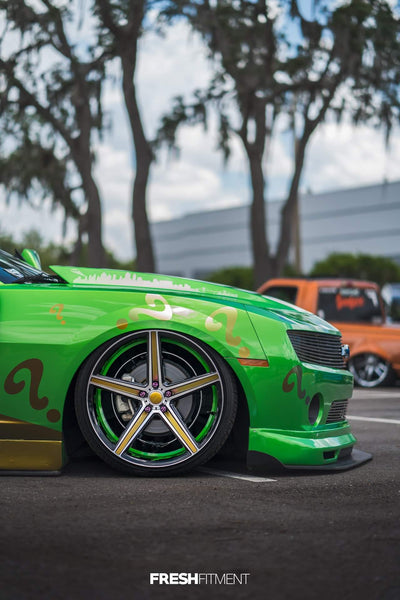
350 305
12 269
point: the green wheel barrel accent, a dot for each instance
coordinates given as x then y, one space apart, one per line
99 411
155 402
101 418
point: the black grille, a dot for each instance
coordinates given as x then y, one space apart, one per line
337 411
318 348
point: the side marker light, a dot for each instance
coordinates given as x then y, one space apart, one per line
253 362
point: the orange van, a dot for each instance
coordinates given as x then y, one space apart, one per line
357 309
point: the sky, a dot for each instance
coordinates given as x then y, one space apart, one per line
339 156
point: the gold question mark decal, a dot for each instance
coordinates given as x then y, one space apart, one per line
162 315
58 308
35 367
231 318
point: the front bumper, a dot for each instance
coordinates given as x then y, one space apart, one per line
327 449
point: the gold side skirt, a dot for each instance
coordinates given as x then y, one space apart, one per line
28 447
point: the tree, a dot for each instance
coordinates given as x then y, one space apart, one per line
51 92
121 25
44 174
241 277
271 63
55 254
380 269
50 254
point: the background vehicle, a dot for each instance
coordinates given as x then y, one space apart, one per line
156 372
356 308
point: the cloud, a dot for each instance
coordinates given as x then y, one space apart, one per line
188 187
345 156
168 66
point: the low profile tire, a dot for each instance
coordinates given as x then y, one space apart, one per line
370 370
155 403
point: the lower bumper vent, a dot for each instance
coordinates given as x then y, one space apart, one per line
337 411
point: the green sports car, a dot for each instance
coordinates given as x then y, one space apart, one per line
158 374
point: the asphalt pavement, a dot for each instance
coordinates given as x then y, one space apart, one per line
93 534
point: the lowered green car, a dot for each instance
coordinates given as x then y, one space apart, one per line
158 374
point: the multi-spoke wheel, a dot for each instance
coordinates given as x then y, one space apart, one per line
370 370
155 402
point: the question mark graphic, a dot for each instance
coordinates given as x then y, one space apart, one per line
231 318
162 315
35 367
287 385
57 308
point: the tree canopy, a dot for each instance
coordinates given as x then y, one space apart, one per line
273 63
50 109
380 269
277 66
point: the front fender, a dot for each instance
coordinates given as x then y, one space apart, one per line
57 328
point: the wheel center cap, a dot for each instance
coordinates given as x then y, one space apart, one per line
156 397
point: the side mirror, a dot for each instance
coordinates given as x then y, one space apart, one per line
31 257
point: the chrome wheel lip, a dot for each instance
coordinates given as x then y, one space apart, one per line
378 362
164 410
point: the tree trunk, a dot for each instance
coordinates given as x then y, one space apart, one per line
96 254
291 204
254 111
144 156
76 253
83 157
92 220
259 239
288 212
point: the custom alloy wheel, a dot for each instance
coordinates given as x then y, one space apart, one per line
370 370
155 402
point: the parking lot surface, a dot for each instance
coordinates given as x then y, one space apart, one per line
94 534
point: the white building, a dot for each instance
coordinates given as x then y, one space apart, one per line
357 220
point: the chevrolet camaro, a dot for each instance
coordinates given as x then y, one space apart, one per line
158 374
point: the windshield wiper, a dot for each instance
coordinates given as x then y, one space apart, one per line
39 278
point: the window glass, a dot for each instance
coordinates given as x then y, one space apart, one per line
395 309
349 305
12 269
283 292
391 296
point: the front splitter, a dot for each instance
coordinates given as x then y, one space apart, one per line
260 461
355 459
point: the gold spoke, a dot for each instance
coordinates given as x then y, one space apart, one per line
116 385
154 358
179 428
194 384
134 427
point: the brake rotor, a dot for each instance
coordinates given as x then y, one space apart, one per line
125 407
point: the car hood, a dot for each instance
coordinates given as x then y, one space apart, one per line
128 280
